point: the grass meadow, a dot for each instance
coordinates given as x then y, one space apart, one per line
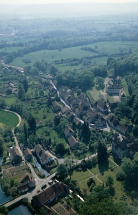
9 119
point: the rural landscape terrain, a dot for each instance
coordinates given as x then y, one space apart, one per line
68 111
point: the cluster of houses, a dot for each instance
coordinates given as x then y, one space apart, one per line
11 88
43 156
15 155
114 123
123 147
27 182
81 106
51 194
115 88
70 136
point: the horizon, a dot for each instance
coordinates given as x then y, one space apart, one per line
26 2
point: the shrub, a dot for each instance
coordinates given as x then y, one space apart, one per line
120 176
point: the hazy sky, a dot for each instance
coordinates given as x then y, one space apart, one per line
61 1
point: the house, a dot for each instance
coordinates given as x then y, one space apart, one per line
43 157
56 106
92 117
77 122
28 154
50 194
122 95
15 155
73 142
114 86
11 88
70 116
64 92
65 109
100 121
111 119
69 132
27 182
101 105
119 146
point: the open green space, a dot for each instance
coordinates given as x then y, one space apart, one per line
111 99
51 55
8 118
102 167
10 100
96 95
118 186
80 176
124 83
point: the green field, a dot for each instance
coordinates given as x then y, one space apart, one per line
52 55
9 119
124 83
96 95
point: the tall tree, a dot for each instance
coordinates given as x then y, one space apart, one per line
102 152
85 132
61 171
25 131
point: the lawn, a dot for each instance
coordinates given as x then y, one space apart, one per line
118 186
100 168
8 118
80 176
111 99
96 95
10 100
124 83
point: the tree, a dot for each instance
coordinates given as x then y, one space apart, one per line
109 181
41 92
25 84
60 149
102 152
56 120
35 71
93 206
53 70
3 210
1 144
25 131
21 92
2 103
42 211
90 182
61 171
85 132
32 123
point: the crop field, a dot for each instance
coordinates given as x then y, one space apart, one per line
9 119
109 48
51 55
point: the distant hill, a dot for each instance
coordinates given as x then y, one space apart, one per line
68 10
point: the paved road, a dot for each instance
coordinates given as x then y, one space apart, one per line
32 193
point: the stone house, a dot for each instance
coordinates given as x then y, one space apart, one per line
15 155
73 142
68 131
56 106
102 106
27 182
42 156
50 194
28 154
115 86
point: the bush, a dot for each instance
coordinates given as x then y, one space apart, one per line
120 176
90 182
